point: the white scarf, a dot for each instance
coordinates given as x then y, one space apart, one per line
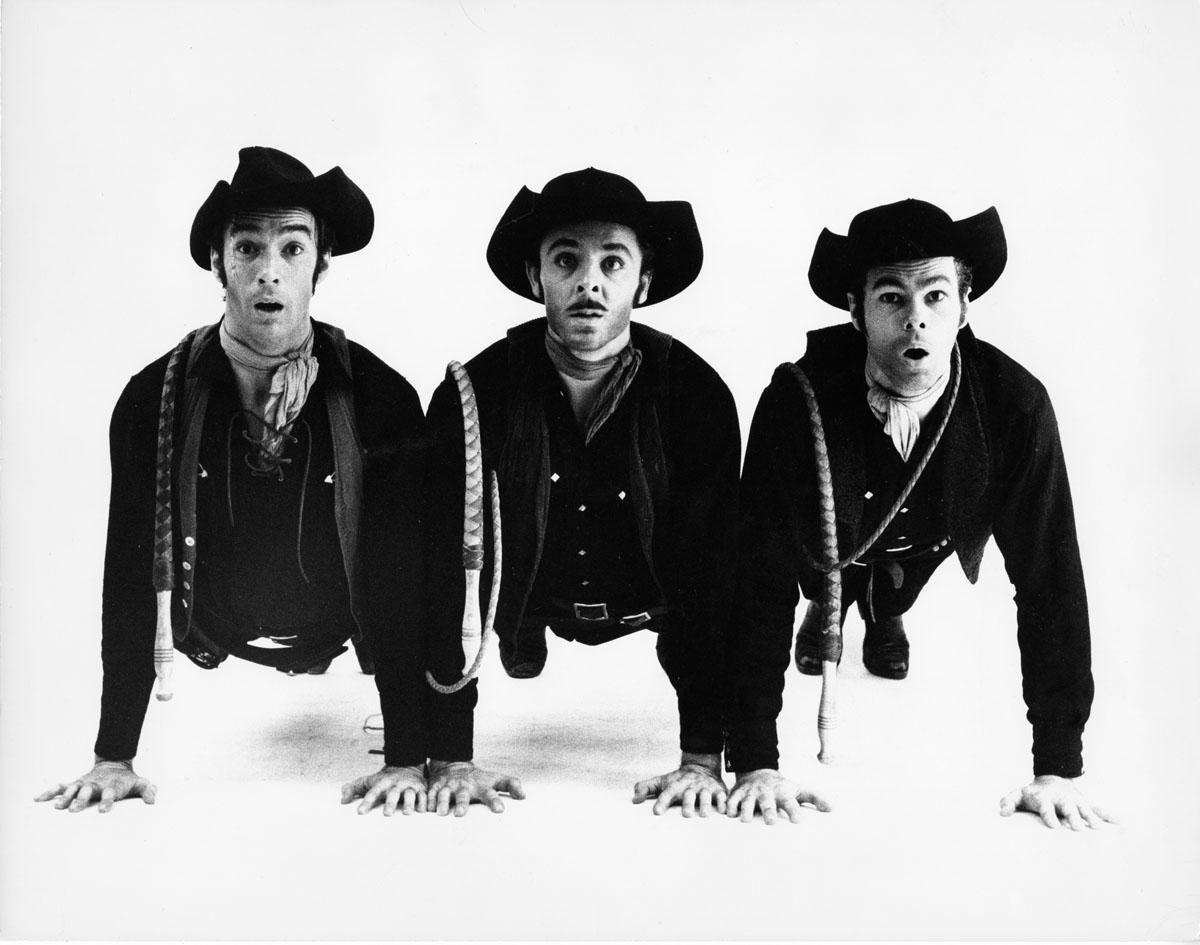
901 416
291 377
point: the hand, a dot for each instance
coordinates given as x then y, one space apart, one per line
455 784
110 781
394 785
1052 797
766 790
696 786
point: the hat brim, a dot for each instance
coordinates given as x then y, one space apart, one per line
979 240
332 196
669 226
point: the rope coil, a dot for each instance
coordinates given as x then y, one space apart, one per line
473 634
831 566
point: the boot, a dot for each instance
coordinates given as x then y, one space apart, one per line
885 646
808 641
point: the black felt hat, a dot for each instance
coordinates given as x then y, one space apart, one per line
668 226
266 177
901 232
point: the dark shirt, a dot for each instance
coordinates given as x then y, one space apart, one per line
269 558
592 553
921 521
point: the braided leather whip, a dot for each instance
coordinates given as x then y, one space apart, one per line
830 565
473 634
163 568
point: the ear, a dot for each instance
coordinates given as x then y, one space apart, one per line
325 257
962 319
214 264
643 288
533 272
852 302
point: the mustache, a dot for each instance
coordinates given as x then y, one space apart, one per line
587 305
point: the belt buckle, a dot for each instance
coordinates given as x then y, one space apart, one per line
637 620
591 611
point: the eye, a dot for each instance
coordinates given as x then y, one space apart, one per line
565 260
936 296
244 248
889 298
294 249
613 264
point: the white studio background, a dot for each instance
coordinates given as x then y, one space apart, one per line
1076 119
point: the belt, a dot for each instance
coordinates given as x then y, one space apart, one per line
592 623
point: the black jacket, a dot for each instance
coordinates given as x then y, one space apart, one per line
1004 474
379 436
684 456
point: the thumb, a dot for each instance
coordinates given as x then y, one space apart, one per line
149 793
1008 803
645 789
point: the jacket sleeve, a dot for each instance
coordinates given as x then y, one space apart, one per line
451 716
778 489
128 606
1035 530
701 522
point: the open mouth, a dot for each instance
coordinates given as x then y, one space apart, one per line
916 354
270 308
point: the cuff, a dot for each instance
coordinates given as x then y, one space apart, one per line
752 745
1057 750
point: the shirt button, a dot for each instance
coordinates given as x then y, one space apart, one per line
554 477
187 566
184 602
584 583
582 552
621 495
187 586
868 494
189 541
583 508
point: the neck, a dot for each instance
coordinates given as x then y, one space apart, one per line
905 386
271 341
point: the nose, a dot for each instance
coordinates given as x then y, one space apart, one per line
589 278
268 269
914 316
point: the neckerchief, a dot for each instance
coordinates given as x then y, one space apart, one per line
901 416
291 378
612 375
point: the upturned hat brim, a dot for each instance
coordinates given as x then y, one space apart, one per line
902 232
331 196
669 226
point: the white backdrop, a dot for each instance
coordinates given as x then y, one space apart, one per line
1076 119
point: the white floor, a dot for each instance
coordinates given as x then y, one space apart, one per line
248 839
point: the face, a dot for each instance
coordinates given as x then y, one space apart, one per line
911 313
589 275
270 257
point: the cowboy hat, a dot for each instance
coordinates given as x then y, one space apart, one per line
900 232
668 226
266 177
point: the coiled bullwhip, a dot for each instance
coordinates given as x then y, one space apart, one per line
163 568
830 565
474 631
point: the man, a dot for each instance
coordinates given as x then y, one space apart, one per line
266 481
910 400
617 453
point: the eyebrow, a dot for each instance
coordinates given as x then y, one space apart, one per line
618 246
892 281
563 241
251 227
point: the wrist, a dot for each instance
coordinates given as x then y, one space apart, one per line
436 767
126 763
708 762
